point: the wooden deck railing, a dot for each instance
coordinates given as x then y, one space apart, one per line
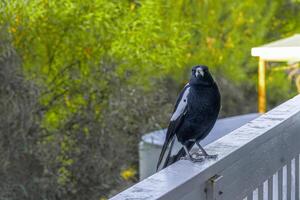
260 161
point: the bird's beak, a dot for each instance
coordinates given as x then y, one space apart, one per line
199 72
202 73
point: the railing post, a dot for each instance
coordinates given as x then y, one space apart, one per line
212 191
262 86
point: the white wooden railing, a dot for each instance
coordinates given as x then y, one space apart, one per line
260 161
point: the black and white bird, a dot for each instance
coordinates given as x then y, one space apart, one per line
194 115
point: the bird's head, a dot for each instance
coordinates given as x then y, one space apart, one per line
201 75
199 71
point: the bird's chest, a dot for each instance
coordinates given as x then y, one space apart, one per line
202 102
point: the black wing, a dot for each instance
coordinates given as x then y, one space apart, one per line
175 122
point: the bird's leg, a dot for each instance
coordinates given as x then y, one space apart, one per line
191 157
205 154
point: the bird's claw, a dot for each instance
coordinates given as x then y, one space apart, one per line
211 156
198 156
193 159
200 153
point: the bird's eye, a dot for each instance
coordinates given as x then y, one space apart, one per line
184 100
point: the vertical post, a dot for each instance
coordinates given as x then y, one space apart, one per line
280 183
262 86
297 177
212 192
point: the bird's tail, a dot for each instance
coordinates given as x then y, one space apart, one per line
163 151
181 153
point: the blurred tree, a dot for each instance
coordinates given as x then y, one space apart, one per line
20 169
82 55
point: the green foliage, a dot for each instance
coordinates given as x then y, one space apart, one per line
109 69
279 86
19 130
225 33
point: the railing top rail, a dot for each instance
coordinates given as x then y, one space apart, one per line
181 177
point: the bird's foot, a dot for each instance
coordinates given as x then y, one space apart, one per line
196 157
196 154
200 154
193 158
211 156
204 153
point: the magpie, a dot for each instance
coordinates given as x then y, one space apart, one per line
195 113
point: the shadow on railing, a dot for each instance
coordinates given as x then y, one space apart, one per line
259 160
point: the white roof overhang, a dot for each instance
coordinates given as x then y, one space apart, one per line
287 49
